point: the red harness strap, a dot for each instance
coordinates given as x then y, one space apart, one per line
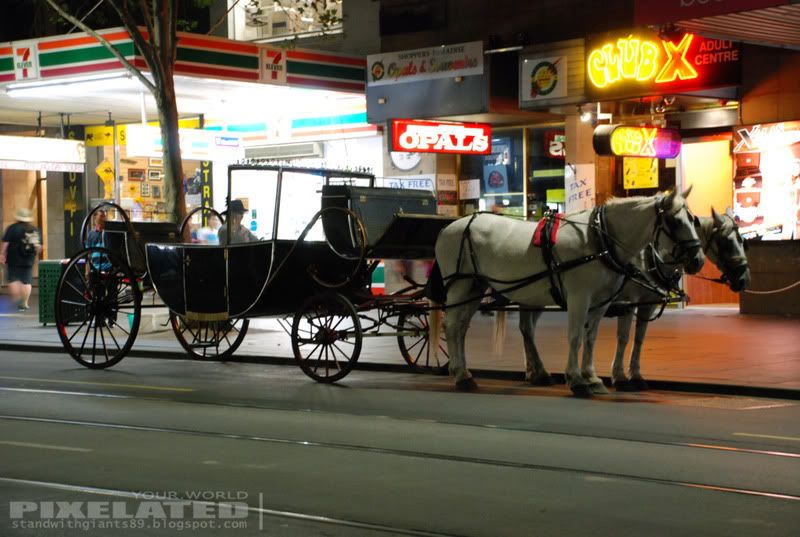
540 229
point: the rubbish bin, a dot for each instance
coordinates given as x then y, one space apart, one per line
50 271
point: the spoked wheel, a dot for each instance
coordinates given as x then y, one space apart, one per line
209 340
326 337
414 342
98 308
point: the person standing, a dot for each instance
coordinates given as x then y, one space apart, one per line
239 233
21 244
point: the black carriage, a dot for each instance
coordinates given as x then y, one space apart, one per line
311 266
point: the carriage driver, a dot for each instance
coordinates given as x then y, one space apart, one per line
239 233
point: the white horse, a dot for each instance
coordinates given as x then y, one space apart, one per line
722 244
592 250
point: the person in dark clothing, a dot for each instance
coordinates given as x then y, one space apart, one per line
21 245
239 233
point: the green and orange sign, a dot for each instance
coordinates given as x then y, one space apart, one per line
643 63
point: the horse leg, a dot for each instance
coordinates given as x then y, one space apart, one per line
577 311
535 373
618 377
645 313
456 323
587 370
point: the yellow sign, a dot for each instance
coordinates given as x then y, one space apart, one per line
556 195
640 172
105 170
637 59
102 135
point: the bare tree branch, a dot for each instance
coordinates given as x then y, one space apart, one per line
103 41
147 15
147 50
222 18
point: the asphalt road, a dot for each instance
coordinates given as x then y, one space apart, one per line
161 447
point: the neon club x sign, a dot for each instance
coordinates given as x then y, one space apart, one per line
643 63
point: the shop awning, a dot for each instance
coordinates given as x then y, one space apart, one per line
773 26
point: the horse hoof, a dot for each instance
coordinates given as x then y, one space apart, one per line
466 385
541 379
623 385
581 390
639 384
598 388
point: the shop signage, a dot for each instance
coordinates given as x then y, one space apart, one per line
648 12
624 141
273 65
641 63
438 137
74 206
766 182
26 61
50 154
543 78
196 144
411 182
446 61
579 188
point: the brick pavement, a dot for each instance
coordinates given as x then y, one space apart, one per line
701 344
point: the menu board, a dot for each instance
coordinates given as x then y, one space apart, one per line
766 189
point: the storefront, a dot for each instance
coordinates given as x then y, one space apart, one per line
33 171
236 99
463 87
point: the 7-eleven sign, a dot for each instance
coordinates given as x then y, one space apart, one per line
273 65
26 60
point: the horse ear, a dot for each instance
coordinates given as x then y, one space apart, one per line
688 191
718 221
728 211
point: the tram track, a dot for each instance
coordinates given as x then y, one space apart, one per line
698 443
259 511
452 458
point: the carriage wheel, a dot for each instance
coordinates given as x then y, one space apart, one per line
326 337
415 345
98 308
209 340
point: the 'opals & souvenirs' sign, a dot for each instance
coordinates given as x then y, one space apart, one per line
446 61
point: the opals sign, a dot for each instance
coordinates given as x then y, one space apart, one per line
623 141
441 137
642 63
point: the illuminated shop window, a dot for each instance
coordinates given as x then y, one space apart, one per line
278 20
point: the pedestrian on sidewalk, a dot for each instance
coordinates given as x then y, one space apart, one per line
21 245
97 236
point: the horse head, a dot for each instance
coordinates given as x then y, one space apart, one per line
677 224
726 249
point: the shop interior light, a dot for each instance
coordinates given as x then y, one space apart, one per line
46 88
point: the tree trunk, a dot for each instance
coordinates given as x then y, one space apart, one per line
173 165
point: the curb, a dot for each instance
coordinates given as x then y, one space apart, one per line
663 385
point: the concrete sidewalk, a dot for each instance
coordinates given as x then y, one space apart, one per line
704 345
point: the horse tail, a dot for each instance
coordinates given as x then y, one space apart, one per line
435 289
499 335
436 292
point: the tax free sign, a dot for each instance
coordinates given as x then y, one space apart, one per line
640 63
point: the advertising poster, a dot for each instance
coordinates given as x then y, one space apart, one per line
766 183
639 172
495 179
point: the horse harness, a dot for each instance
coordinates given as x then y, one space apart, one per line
546 236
